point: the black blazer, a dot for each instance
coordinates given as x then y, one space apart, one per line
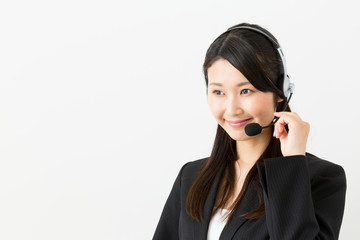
304 199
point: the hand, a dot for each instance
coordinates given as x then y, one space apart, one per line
294 141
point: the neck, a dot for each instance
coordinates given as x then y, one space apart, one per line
249 151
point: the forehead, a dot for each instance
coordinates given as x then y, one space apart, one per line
221 72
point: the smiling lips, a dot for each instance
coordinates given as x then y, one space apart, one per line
238 123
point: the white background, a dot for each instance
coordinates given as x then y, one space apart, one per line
102 102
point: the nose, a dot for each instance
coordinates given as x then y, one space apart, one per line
234 106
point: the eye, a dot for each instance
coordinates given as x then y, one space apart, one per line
217 92
245 91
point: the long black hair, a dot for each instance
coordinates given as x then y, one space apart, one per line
256 57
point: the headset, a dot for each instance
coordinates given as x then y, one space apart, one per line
288 87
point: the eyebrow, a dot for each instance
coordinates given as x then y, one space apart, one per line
238 85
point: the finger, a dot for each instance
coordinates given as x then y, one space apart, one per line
274 132
287 118
292 120
280 124
283 134
279 130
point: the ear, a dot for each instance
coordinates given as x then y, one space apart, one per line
280 99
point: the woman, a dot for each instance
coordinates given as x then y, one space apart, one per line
258 183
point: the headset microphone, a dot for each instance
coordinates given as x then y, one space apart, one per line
253 129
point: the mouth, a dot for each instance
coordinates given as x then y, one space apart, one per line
238 123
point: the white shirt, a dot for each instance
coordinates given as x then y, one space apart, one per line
217 224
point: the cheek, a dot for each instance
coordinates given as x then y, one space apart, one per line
263 107
216 107
256 107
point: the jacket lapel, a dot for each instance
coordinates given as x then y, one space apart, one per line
201 229
248 203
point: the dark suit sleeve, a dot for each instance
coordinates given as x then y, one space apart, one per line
168 226
299 206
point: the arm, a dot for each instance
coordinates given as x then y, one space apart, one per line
297 207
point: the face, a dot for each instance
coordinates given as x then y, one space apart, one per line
235 102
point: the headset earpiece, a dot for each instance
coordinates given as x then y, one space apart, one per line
288 87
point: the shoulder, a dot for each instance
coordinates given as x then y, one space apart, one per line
193 167
191 170
324 168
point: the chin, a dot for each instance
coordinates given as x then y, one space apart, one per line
242 137
239 135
